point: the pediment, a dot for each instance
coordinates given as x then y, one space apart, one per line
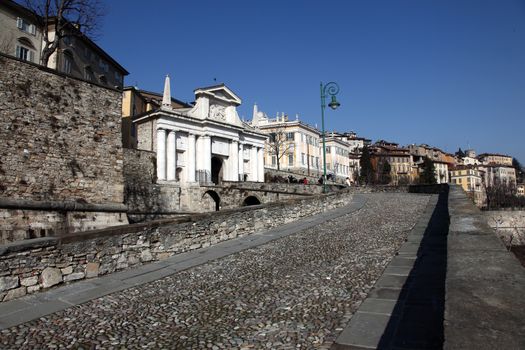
220 93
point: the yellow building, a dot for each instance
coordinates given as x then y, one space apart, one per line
470 179
402 170
495 159
135 103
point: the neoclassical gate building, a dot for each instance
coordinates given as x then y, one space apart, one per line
204 144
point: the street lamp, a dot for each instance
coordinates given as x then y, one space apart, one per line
331 89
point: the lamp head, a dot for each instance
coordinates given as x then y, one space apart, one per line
334 104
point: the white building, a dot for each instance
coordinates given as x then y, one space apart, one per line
205 144
292 145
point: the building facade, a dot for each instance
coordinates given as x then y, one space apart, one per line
292 145
20 32
442 161
471 180
402 169
205 144
21 35
338 158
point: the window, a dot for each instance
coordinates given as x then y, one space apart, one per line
67 64
88 74
24 25
103 65
290 136
274 160
302 159
24 53
290 159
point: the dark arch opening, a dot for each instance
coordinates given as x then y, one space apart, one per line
216 170
251 200
215 198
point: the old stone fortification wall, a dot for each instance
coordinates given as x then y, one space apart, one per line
60 147
508 224
29 266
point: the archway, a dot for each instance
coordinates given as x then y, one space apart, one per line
251 200
211 201
216 170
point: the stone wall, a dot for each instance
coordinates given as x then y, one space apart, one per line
29 266
508 224
60 143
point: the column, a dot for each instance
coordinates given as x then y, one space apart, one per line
260 163
234 161
206 156
171 155
161 154
253 163
191 159
241 162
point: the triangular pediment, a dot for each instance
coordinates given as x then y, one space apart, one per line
221 93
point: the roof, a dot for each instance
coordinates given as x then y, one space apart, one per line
19 8
95 47
156 94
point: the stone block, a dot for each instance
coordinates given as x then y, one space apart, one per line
50 277
15 293
74 276
92 269
29 281
32 289
67 270
8 282
145 255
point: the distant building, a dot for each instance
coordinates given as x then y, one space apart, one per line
497 169
471 180
495 159
402 168
22 33
442 161
356 143
337 158
207 143
295 145
520 190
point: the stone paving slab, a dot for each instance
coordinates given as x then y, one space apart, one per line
37 305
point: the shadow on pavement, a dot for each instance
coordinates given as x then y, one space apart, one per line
421 305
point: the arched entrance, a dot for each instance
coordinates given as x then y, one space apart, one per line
216 170
251 200
211 201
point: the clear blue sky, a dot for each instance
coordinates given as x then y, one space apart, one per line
450 73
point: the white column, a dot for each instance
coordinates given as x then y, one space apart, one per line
234 161
260 163
161 154
171 153
191 159
253 164
206 155
241 162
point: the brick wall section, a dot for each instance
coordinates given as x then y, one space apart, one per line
60 137
36 264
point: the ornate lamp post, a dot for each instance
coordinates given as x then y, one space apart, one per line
331 89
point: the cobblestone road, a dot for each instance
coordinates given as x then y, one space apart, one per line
296 292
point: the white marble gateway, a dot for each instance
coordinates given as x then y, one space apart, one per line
205 144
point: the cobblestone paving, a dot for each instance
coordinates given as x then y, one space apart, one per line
296 292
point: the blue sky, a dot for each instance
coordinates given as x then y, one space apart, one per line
450 73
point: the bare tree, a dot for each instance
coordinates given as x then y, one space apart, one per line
65 17
278 146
